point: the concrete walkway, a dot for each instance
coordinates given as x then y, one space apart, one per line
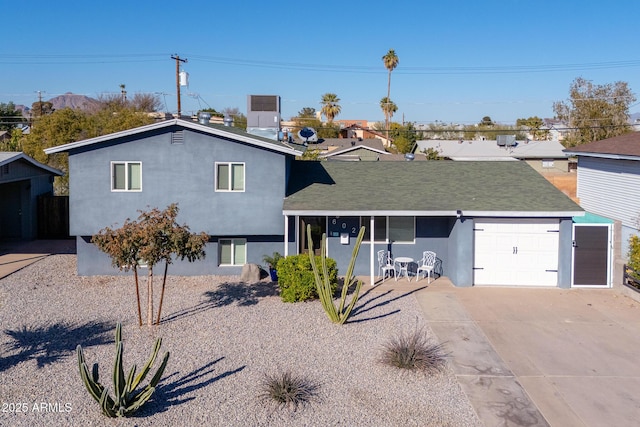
539 357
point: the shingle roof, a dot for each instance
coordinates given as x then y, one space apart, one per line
7 157
427 188
627 144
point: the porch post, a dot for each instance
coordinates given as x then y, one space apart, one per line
286 235
297 236
372 251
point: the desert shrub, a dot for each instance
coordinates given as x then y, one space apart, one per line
634 256
296 279
288 389
413 351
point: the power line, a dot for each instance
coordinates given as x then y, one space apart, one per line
52 59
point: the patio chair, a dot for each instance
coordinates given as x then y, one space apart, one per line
385 264
426 265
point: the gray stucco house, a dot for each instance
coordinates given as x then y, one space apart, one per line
490 223
226 182
22 181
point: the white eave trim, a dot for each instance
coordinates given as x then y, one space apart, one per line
174 122
468 214
603 156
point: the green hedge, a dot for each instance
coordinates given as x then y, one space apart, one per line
634 255
296 280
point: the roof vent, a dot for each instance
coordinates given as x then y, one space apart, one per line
228 120
204 117
409 157
353 143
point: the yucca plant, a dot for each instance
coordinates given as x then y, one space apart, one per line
413 351
127 400
289 389
341 313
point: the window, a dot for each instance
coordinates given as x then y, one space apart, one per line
126 176
379 228
547 163
232 251
398 229
402 229
229 176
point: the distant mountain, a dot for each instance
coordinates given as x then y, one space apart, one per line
76 102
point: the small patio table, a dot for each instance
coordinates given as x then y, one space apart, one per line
403 263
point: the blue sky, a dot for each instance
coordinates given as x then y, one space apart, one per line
459 60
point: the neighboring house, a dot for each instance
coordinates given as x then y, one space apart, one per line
558 129
361 151
350 149
22 181
357 151
226 182
609 182
345 123
490 223
546 157
362 132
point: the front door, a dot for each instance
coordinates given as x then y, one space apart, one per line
591 255
11 212
318 227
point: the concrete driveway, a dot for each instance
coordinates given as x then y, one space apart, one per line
538 357
15 255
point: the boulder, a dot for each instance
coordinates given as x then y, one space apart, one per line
250 273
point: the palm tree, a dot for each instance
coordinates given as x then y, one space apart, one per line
391 61
330 106
388 107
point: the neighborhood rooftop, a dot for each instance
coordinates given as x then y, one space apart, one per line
626 145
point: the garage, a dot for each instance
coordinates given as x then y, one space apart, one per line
516 252
22 181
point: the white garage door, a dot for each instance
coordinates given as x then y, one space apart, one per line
516 252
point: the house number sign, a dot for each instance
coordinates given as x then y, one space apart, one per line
338 225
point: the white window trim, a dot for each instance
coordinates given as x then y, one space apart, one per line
386 237
126 175
233 251
244 176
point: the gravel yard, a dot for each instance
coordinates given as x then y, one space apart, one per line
224 337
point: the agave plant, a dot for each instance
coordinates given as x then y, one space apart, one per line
127 400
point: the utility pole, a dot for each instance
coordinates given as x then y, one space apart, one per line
40 101
178 61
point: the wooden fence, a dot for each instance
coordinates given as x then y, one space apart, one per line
53 217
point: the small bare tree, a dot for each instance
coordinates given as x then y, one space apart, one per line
154 237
